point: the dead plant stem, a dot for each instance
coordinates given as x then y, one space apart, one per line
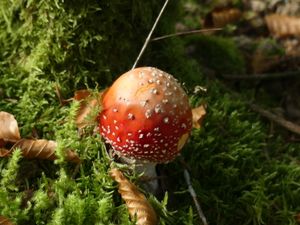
150 34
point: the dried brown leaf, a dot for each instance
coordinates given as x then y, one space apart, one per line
5 221
138 206
4 152
9 130
262 62
39 149
221 17
282 25
198 116
88 103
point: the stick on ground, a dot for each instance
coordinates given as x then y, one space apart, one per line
277 119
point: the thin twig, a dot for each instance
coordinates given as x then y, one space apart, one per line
150 34
192 192
194 196
262 76
277 119
184 33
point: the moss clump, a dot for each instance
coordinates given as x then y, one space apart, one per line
217 53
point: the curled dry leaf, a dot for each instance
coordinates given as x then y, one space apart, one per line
282 25
221 17
9 130
138 206
198 116
40 149
5 221
88 103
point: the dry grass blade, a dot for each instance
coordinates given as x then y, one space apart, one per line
136 202
9 130
88 103
282 25
5 221
39 149
198 116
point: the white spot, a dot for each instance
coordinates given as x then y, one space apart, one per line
158 82
148 113
113 133
130 116
117 128
153 74
129 134
140 131
150 81
146 145
104 117
166 144
168 84
157 108
119 139
144 103
165 101
164 151
149 134
115 121
115 110
154 91
141 74
141 136
156 129
166 120
183 125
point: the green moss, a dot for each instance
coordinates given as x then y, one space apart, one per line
217 53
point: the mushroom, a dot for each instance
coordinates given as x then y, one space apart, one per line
146 118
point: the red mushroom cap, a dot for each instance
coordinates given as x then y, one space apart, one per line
146 115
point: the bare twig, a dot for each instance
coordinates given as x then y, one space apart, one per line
263 76
277 119
192 192
194 196
184 33
150 34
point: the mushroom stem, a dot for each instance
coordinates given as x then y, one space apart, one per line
148 171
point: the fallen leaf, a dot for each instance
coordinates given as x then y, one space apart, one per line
39 149
5 221
282 25
221 17
9 130
138 206
88 103
4 152
198 116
